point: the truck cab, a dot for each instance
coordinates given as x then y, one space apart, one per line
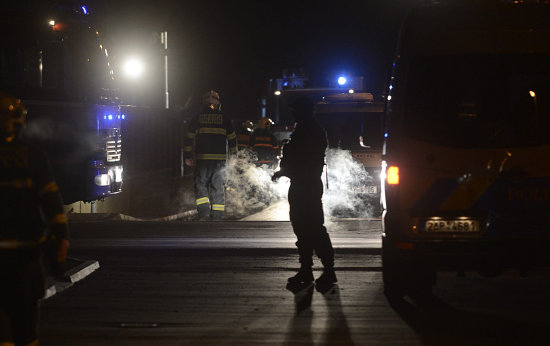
54 60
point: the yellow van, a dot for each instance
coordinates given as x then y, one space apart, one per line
466 159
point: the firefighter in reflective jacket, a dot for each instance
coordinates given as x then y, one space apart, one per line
264 143
31 216
303 160
210 132
244 133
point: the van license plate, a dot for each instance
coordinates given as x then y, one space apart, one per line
367 189
452 226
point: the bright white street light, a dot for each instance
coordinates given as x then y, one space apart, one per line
133 68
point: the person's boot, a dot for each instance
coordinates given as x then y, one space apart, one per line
216 215
203 211
327 278
304 275
203 217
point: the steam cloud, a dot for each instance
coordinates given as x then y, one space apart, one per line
251 190
57 136
347 180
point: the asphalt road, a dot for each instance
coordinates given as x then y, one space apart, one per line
189 283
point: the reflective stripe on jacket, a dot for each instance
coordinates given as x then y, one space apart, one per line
210 133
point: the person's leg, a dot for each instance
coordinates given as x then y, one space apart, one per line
30 288
304 243
321 239
6 312
218 190
201 189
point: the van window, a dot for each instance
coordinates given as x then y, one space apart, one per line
343 129
485 100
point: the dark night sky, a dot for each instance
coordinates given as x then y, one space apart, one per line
235 46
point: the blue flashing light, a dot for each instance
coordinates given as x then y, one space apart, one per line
285 83
119 117
342 80
386 135
123 116
84 10
110 117
105 117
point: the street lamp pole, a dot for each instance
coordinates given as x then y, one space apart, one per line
164 41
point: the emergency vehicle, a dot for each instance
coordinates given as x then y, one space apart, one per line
53 59
466 158
353 122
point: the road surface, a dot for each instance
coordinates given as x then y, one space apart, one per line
190 283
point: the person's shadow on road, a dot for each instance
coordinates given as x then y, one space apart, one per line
299 332
337 330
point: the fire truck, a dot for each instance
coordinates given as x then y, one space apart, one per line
353 122
53 59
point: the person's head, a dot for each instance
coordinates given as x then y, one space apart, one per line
302 109
12 117
211 99
248 125
265 123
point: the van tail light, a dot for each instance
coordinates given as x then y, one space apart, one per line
392 175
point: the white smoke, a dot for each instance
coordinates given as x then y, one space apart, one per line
56 134
347 180
249 187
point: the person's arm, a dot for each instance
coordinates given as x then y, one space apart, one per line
252 140
231 136
52 206
189 140
274 142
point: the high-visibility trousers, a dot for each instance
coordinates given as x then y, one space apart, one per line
210 179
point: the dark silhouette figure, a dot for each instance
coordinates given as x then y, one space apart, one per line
32 220
303 160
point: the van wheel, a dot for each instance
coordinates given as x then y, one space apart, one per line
393 274
404 276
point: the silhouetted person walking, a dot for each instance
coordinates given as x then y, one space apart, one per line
303 160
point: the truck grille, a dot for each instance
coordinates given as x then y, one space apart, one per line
114 149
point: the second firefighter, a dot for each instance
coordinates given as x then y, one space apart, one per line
264 144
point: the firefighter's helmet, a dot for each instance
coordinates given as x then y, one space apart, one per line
12 116
248 125
265 123
211 99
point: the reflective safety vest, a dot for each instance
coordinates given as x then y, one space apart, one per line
265 145
243 139
210 133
